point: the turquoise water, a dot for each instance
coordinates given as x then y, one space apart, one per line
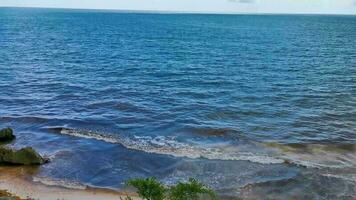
252 105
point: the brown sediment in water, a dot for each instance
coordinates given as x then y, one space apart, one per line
313 148
18 181
322 155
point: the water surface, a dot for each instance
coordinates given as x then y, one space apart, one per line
252 105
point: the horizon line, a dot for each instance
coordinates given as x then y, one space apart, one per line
177 12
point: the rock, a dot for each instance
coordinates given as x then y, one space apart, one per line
4 195
25 156
6 135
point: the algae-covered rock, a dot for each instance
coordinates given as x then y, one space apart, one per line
6 135
4 195
28 156
25 156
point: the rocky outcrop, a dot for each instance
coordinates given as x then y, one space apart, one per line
4 195
25 156
6 135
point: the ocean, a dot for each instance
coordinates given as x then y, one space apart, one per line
254 106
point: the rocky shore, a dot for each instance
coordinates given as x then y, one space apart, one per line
17 167
8 156
4 195
24 156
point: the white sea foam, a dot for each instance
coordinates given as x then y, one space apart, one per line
60 183
347 177
172 146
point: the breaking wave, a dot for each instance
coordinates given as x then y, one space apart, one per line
171 146
311 156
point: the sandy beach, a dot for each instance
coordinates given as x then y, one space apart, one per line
18 182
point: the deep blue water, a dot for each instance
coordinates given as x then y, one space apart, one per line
227 99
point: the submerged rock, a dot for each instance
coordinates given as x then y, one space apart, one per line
25 156
6 135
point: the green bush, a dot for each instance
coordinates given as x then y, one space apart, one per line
151 189
148 189
192 190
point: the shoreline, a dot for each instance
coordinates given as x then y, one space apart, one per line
17 182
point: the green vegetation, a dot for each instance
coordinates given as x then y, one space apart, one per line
191 190
151 189
148 189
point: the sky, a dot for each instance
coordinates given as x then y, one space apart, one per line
214 6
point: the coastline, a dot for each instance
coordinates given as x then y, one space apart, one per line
250 107
16 182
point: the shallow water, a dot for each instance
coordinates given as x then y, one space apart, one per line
237 101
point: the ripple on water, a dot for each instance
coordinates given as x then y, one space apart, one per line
160 89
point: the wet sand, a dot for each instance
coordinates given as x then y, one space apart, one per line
18 181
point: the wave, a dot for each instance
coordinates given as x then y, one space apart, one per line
171 146
207 131
60 183
316 156
24 119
